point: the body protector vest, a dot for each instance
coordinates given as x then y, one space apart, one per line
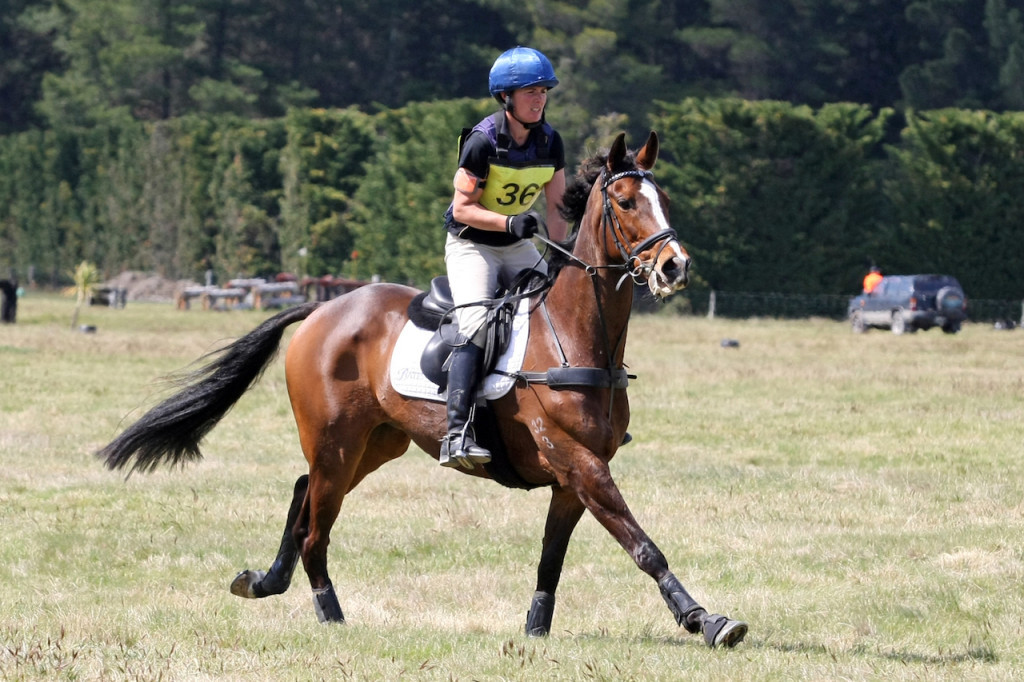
515 176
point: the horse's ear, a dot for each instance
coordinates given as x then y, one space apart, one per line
617 152
646 157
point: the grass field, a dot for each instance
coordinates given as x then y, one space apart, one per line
859 500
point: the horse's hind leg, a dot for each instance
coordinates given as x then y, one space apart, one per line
335 471
258 584
325 498
564 512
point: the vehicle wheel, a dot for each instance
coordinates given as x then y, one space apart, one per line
857 323
948 299
951 327
899 325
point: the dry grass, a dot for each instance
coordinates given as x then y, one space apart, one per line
857 499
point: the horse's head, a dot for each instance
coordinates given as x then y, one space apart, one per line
635 211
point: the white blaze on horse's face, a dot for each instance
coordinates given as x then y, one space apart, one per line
671 271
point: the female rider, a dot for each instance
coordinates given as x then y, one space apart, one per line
504 163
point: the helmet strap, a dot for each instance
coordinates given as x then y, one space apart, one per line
507 102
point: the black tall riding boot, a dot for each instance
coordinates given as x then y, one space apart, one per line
458 448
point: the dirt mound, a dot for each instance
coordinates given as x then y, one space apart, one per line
148 286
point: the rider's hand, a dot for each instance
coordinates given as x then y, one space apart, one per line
523 226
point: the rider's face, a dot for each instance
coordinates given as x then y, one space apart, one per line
528 103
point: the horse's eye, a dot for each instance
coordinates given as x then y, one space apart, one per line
627 204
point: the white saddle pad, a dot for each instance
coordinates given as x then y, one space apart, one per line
408 379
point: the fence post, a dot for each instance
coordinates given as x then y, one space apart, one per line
711 305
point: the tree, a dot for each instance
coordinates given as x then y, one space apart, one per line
322 167
808 52
86 278
955 68
955 197
773 197
25 55
1006 42
245 188
269 55
606 55
124 59
397 215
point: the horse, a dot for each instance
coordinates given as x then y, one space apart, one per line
560 434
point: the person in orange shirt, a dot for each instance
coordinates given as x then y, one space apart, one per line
871 280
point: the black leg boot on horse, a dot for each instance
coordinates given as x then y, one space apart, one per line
258 584
459 447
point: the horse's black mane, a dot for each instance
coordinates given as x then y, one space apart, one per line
574 202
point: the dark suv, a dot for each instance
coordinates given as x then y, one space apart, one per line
906 303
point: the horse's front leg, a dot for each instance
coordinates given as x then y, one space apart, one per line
593 482
258 584
564 512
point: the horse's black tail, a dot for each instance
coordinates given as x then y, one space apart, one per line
171 431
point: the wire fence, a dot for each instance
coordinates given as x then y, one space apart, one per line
744 304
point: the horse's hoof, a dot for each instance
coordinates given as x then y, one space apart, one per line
722 631
245 582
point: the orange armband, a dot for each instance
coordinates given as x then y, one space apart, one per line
466 182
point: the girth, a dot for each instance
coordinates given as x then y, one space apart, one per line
566 377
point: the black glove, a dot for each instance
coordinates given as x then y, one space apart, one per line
523 226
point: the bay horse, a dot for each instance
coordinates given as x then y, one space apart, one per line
351 420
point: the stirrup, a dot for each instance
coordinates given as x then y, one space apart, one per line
473 451
468 452
450 457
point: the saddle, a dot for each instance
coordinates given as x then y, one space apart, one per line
434 309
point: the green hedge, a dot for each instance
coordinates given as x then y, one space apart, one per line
768 196
772 197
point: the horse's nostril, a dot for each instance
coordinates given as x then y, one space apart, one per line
675 269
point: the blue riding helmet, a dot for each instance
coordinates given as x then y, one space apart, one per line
520 67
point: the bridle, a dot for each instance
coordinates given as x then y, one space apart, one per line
637 269
633 266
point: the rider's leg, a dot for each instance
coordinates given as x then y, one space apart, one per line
460 446
473 275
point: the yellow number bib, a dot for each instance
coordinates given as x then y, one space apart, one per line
513 190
